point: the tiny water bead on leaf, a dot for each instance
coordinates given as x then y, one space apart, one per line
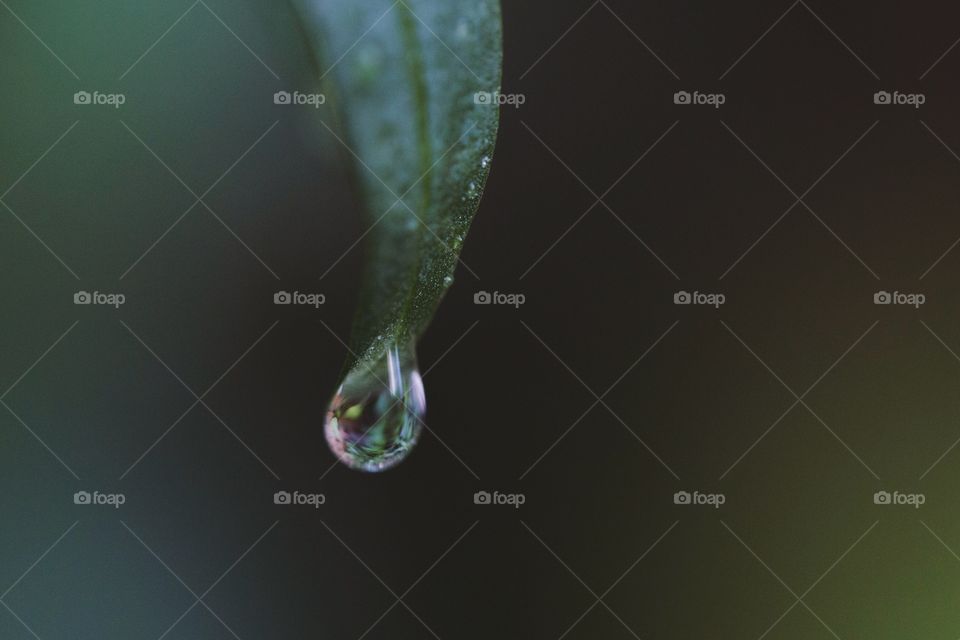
376 417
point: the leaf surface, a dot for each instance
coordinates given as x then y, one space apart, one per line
403 78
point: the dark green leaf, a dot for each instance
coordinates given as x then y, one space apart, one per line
403 77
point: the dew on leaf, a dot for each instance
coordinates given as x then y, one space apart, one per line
376 417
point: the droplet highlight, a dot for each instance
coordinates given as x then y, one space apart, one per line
376 417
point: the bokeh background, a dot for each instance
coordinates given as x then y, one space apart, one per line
597 400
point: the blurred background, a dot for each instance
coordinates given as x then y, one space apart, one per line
791 412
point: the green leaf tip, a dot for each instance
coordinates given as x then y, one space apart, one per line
405 77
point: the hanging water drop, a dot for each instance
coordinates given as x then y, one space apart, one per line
485 162
375 418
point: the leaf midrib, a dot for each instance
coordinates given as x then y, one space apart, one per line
415 69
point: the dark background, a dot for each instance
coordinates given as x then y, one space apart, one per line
798 550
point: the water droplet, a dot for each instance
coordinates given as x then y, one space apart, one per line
485 161
447 281
471 190
376 417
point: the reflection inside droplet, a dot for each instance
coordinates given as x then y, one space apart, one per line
376 416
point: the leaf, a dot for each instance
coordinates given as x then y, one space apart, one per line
403 77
